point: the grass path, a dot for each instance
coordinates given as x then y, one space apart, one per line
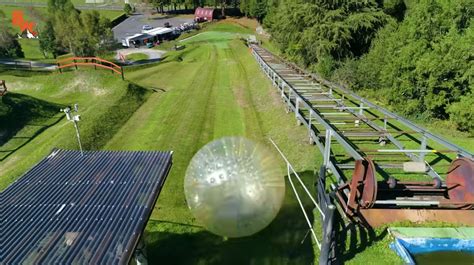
216 90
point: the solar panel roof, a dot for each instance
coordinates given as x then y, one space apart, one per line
87 209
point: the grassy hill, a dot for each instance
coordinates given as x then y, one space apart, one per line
212 88
34 124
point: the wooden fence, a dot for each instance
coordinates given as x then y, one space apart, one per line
89 61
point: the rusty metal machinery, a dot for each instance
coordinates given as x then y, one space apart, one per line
384 167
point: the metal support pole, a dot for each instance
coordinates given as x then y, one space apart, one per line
423 147
327 235
289 100
74 119
327 148
139 254
297 108
78 137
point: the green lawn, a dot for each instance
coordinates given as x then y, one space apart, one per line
137 56
37 14
209 90
34 14
31 49
105 101
212 88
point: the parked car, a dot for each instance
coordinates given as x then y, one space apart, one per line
147 27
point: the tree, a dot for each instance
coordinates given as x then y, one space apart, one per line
60 6
424 63
47 40
9 45
83 34
67 29
462 113
127 9
321 31
259 9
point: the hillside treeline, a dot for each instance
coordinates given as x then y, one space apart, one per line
66 29
417 56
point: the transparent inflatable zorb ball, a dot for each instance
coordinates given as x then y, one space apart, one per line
234 187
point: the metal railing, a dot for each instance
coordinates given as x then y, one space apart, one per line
326 211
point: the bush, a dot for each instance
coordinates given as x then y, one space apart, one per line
127 9
423 61
462 113
9 45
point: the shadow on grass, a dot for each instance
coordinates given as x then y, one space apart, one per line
353 238
108 123
284 241
18 111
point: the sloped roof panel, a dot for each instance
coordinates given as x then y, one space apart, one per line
86 209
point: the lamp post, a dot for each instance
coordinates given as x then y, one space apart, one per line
74 119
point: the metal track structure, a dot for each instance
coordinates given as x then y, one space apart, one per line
376 158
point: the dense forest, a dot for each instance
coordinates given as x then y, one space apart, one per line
416 55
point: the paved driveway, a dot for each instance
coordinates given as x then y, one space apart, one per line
153 55
134 23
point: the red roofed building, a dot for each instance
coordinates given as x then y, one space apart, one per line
204 14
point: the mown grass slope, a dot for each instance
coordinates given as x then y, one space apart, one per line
32 124
213 89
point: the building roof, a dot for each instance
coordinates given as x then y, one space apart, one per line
201 12
87 209
157 31
137 36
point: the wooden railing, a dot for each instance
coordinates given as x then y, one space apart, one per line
3 88
89 61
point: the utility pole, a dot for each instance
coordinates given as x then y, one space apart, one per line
74 119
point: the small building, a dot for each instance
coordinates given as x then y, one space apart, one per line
26 34
204 14
153 35
133 40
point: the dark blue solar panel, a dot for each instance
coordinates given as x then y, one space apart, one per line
87 209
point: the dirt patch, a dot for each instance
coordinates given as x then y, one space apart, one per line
82 83
20 85
244 22
239 94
